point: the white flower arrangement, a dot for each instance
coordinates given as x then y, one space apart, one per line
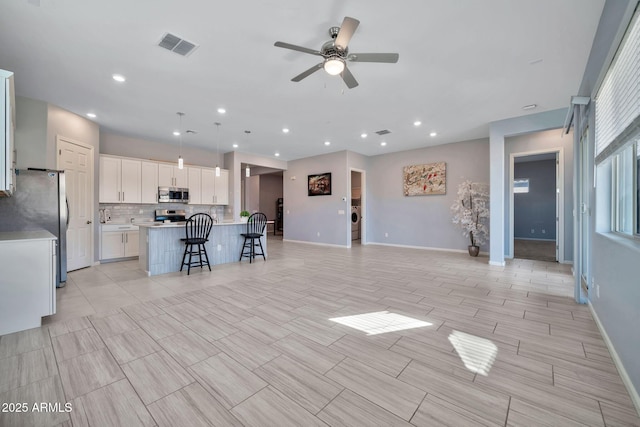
471 210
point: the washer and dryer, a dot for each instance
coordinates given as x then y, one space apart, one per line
355 222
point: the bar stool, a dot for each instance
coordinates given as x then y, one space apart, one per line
197 228
255 229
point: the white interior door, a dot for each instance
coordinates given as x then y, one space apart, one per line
76 159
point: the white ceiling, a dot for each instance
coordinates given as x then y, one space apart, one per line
463 64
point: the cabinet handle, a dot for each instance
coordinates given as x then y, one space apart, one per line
126 238
123 196
122 238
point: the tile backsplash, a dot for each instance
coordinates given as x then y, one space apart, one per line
127 212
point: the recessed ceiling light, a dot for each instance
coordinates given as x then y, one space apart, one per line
432 134
119 78
176 133
221 110
285 130
277 154
383 143
417 123
327 143
363 135
529 107
92 115
235 145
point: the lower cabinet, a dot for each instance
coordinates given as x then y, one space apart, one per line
119 241
28 263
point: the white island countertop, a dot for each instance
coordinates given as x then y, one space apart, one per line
178 224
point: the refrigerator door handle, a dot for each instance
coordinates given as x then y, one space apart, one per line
66 200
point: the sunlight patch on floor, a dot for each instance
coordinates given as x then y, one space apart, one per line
380 322
477 354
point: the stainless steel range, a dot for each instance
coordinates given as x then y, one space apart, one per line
171 215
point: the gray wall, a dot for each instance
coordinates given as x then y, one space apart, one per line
119 145
270 191
306 217
37 126
423 221
615 258
534 213
540 141
31 133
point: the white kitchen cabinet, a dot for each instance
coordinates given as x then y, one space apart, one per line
28 262
7 129
118 241
149 182
172 176
119 180
195 185
208 182
215 189
222 188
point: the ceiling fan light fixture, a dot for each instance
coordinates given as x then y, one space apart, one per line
333 66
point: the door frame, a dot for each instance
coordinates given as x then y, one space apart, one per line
559 151
363 207
59 139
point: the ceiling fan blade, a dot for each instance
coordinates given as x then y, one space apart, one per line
347 29
307 73
298 48
348 78
374 57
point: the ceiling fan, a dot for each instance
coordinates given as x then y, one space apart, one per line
336 54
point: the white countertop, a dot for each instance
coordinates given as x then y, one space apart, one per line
178 224
14 236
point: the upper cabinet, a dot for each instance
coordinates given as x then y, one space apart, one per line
149 183
172 176
222 188
119 180
7 128
215 189
124 180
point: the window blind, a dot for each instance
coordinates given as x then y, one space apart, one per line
618 100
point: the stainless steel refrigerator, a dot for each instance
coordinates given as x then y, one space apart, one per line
39 203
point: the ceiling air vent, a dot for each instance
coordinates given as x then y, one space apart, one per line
383 132
176 44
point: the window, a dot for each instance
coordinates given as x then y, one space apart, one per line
521 185
623 191
638 188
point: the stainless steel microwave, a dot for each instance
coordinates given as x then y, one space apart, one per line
173 195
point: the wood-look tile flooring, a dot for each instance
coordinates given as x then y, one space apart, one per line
254 344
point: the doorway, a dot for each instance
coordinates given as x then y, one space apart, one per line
76 159
357 229
536 200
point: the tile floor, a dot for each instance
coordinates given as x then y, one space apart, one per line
255 345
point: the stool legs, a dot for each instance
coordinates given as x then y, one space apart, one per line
201 249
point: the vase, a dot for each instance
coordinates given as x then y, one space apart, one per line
473 250
244 218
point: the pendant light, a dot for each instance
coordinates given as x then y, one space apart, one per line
217 144
180 161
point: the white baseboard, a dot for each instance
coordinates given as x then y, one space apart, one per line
315 243
633 393
426 248
535 239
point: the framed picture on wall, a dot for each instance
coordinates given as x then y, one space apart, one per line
425 180
320 184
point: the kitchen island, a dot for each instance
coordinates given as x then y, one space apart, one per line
161 249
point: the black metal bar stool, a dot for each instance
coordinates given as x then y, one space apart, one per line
198 227
255 229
